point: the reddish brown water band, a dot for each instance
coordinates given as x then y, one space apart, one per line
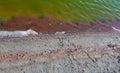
47 24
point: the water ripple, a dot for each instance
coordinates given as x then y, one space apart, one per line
72 10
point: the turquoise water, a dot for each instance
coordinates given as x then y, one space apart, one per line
70 10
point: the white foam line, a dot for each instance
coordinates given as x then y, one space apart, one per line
60 32
115 29
18 33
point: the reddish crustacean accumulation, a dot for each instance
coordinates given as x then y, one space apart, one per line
48 24
13 56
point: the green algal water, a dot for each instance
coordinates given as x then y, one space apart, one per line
70 10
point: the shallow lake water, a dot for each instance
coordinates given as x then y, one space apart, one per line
70 10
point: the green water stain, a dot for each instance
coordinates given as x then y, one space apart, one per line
70 10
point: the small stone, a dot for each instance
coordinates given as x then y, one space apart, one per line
118 59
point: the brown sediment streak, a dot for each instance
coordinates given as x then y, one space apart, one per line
21 55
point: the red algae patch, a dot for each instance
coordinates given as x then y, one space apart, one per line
48 24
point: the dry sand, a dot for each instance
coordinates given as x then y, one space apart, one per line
61 53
